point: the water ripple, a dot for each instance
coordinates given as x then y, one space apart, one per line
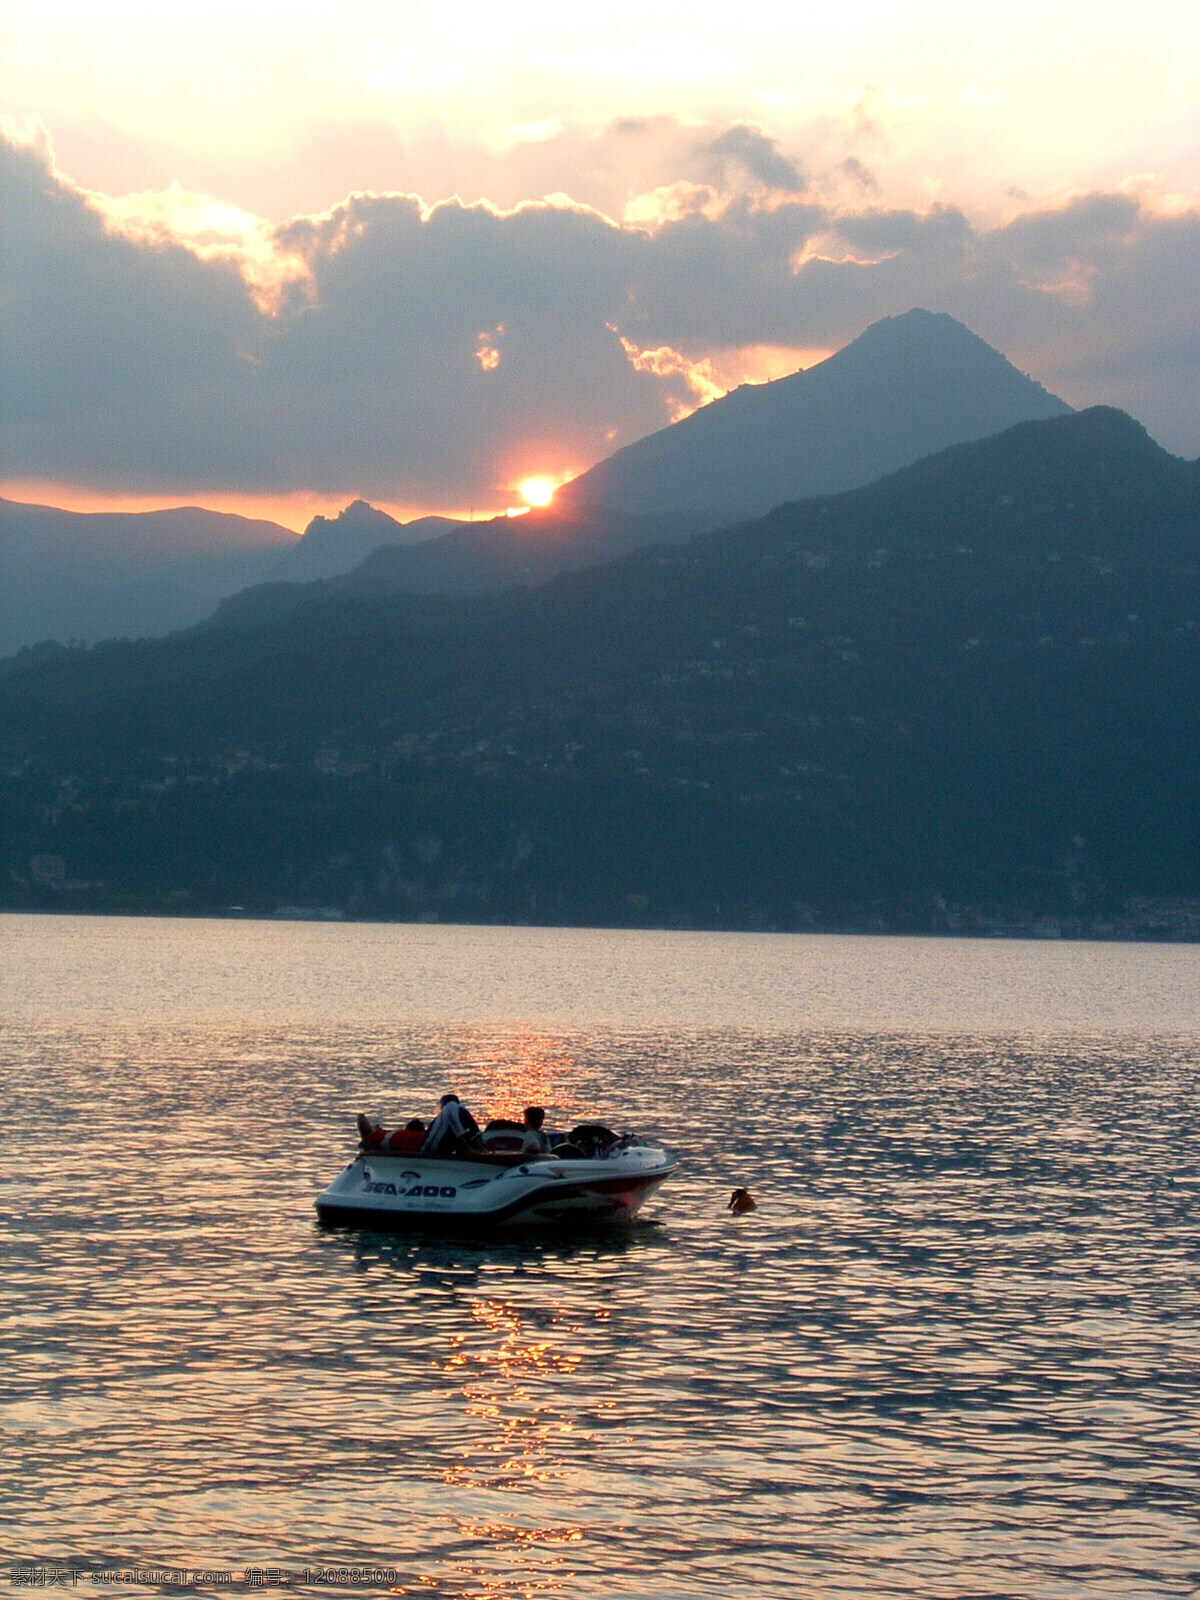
951 1354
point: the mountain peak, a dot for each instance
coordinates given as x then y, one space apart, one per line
927 336
1107 423
918 321
331 546
335 544
359 513
908 386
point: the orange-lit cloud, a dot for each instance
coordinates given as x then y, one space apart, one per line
212 230
487 348
698 377
673 202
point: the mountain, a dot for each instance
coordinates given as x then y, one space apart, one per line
333 545
472 557
907 387
964 696
96 575
511 550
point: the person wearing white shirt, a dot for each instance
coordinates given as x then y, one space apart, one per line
536 1143
451 1130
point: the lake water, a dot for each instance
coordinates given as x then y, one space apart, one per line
953 1353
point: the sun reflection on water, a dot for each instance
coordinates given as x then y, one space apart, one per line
500 1377
524 1068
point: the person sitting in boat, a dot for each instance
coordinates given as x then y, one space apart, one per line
370 1134
452 1132
535 1142
406 1141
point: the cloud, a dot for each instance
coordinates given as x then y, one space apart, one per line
435 354
314 165
859 173
105 334
663 362
756 155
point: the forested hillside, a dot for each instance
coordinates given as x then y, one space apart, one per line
968 695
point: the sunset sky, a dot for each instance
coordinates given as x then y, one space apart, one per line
272 258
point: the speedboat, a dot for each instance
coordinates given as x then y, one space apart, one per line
583 1183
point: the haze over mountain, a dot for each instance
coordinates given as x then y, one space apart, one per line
471 558
907 387
100 575
965 695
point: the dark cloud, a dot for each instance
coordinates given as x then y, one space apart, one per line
703 281
425 356
1084 226
104 335
859 173
758 156
942 232
1117 289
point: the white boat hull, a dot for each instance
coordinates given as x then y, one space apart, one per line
397 1191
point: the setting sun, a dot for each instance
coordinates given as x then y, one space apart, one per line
537 491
